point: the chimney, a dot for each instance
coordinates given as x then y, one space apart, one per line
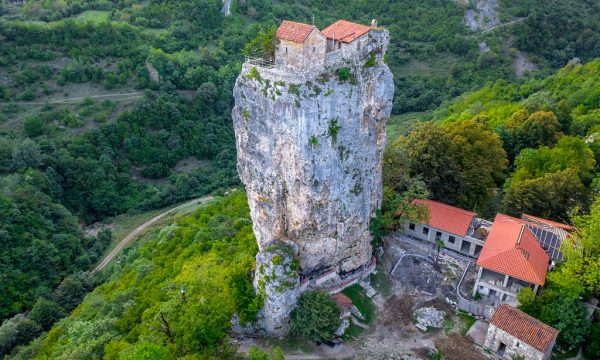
373 23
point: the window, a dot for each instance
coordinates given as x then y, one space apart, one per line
314 49
438 235
426 230
451 239
411 226
286 50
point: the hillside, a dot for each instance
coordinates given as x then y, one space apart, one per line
173 296
516 145
113 107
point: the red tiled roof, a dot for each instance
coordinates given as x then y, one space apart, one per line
512 249
294 31
342 301
537 220
448 218
345 31
524 327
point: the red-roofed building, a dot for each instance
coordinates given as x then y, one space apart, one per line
459 229
301 46
511 259
513 333
550 234
294 31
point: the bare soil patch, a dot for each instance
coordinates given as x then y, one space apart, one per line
456 347
399 311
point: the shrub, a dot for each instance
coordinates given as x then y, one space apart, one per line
343 74
591 347
371 61
263 45
46 313
334 129
33 126
315 317
256 353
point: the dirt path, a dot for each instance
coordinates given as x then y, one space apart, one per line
118 96
509 23
133 235
504 24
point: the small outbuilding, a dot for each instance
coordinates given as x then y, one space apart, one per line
513 333
299 45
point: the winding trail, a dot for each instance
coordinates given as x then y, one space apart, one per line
137 231
117 97
509 23
521 19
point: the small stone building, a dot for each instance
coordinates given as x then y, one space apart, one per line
511 259
347 37
300 45
513 333
303 47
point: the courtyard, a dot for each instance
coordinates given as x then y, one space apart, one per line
410 280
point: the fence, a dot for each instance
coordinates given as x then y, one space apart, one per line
472 307
266 63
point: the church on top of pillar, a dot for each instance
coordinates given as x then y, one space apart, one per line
302 46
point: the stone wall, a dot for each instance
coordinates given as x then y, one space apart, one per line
375 41
310 54
514 347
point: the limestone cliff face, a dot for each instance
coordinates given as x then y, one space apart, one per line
309 148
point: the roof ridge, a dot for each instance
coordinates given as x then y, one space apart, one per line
526 315
548 221
452 207
518 244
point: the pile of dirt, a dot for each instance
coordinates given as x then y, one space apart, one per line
398 311
456 347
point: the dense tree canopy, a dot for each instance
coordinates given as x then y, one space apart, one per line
316 316
172 297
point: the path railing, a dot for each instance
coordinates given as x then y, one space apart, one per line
266 63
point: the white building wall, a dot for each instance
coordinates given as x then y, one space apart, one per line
451 241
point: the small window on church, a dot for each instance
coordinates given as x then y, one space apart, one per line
358 45
314 49
286 50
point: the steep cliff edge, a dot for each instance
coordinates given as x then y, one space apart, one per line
309 148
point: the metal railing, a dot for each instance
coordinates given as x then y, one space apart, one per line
262 62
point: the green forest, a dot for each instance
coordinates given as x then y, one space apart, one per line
517 148
103 103
173 297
